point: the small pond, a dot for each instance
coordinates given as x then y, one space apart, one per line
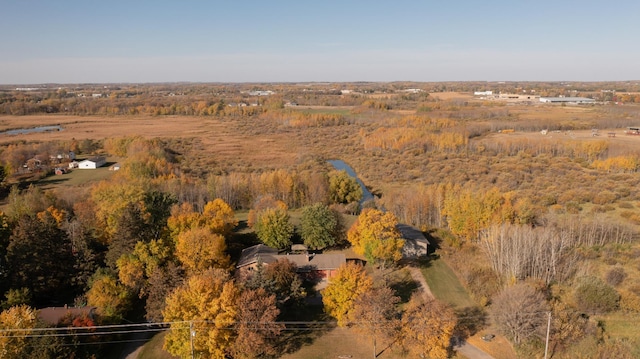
341 165
23 131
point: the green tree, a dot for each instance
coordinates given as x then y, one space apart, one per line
318 226
209 301
349 283
376 236
343 188
595 296
274 228
40 258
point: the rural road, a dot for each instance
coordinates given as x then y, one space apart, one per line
468 350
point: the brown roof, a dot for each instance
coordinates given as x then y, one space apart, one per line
304 262
53 315
311 262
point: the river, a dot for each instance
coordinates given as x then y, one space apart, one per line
341 165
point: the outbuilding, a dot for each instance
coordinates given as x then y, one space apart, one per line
92 163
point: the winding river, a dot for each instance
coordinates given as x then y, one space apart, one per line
341 165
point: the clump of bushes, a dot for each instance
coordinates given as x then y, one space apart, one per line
616 276
593 295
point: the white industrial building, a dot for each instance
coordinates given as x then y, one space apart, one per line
572 100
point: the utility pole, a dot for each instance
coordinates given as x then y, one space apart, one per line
192 333
546 344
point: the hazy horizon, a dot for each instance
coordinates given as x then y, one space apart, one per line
288 41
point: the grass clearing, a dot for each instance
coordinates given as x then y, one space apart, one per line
153 349
444 284
623 326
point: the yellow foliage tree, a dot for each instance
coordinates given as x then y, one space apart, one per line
15 325
198 249
427 328
349 283
217 216
209 302
376 236
110 297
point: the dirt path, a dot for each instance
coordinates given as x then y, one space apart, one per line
468 350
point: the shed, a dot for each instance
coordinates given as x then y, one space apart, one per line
92 163
415 243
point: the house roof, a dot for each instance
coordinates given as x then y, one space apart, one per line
311 262
257 253
411 233
95 159
53 315
305 262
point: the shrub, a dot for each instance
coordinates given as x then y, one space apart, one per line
592 295
630 301
604 197
616 276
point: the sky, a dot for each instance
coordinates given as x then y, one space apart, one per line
140 41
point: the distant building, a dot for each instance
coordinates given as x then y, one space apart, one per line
483 93
92 163
571 100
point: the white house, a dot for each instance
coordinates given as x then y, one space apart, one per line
92 163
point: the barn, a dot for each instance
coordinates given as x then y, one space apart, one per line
92 163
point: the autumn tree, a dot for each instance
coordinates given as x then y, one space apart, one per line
427 328
209 301
279 278
274 228
256 327
112 299
318 226
217 216
198 249
375 314
343 188
160 284
16 324
376 236
349 283
519 312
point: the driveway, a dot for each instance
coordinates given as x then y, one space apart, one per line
468 350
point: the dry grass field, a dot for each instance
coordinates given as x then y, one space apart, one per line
213 135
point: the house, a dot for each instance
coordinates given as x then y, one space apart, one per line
73 164
415 243
115 167
53 315
60 170
92 163
311 266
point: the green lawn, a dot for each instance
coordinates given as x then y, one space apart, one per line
77 177
153 349
620 325
444 284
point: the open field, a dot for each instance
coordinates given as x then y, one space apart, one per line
213 135
444 284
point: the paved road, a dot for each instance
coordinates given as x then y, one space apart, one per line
468 350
